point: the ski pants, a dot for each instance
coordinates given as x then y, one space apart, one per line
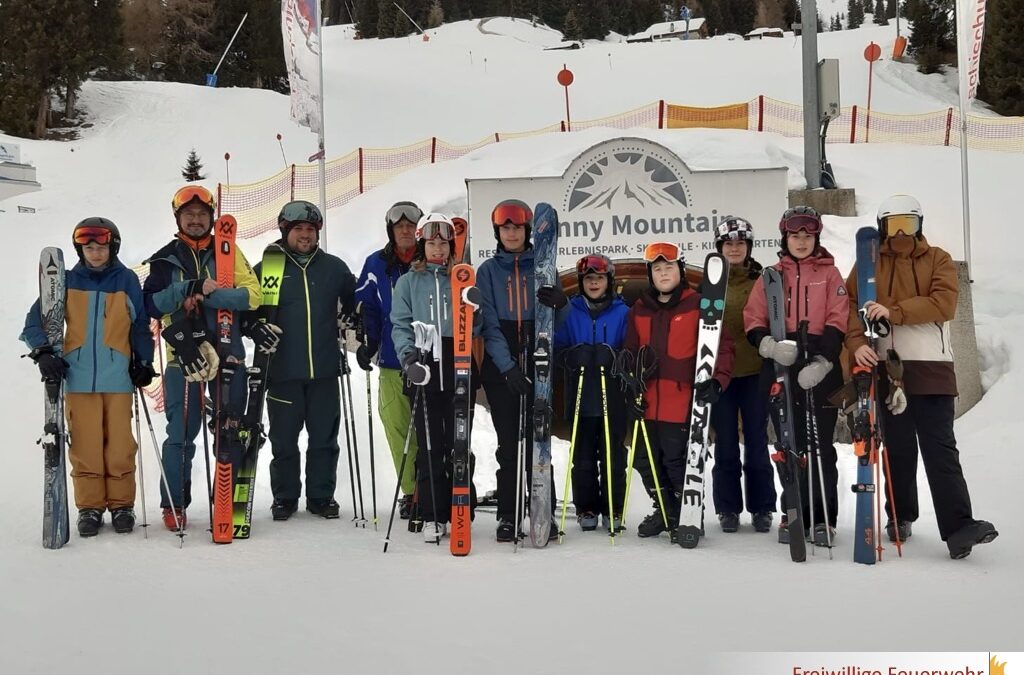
434 466
927 422
315 405
590 488
394 410
742 399
825 417
102 452
505 408
179 447
668 450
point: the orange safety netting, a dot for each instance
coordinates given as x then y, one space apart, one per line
735 116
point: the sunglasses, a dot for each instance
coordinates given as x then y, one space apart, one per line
517 213
406 210
908 224
190 193
795 223
593 263
664 250
436 229
100 235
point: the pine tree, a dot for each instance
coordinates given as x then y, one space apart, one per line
1002 59
931 39
879 17
595 18
143 22
192 51
854 14
367 16
572 30
435 17
890 8
192 171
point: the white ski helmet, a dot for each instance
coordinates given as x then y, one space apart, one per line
435 225
899 205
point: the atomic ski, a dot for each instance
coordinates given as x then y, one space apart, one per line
251 430
55 483
465 298
712 309
545 247
787 457
224 238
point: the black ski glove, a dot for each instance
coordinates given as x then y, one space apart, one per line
142 373
579 357
635 408
365 354
518 383
708 392
266 336
51 366
418 374
604 356
185 338
552 296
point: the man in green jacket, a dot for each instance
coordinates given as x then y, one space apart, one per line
303 378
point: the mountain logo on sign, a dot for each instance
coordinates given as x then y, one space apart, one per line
612 182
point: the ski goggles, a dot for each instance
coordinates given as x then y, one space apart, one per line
513 211
401 210
801 218
301 212
436 229
89 233
595 263
664 251
908 224
193 193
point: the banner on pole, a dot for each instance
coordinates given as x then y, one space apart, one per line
972 32
300 28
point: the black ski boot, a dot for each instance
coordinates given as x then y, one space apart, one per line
89 522
902 528
820 536
762 521
960 542
730 522
123 519
325 508
654 524
282 509
506 531
405 507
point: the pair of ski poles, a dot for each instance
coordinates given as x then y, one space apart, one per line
163 475
355 473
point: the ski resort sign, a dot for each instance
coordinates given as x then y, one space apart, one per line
622 194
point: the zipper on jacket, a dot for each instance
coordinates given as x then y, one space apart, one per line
95 323
309 321
441 305
519 302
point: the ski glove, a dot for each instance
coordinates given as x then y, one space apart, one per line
552 296
896 401
783 353
635 408
142 373
51 366
195 355
604 356
519 384
811 375
707 392
365 354
265 335
416 373
579 357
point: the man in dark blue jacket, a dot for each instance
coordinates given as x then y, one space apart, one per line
373 295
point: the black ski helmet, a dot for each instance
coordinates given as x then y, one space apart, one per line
299 211
89 230
595 263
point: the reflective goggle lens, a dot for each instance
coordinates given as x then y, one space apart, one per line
664 250
798 222
410 212
301 212
437 230
516 214
190 192
84 235
593 263
908 224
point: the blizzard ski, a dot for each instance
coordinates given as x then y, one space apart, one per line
465 298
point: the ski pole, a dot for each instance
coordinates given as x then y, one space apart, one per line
401 468
206 443
373 468
520 468
878 503
629 469
430 465
348 447
607 457
572 448
821 473
654 472
884 452
351 419
163 472
894 371
142 477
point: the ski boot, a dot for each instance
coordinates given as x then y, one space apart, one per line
89 522
903 528
282 509
963 540
325 508
123 519
588 521
762 521
730 522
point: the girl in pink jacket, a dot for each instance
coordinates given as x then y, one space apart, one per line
817 311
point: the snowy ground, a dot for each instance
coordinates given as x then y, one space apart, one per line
311 594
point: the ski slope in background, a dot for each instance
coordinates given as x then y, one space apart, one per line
311 595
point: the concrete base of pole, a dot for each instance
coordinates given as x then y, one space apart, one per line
838 202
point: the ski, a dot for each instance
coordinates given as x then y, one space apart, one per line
52 293
712 309
787 457
251 430
224 237
545 247
465 299
461 236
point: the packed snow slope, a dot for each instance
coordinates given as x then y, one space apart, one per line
310 594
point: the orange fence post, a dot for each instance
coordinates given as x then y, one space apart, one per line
661 114
360 171
949 124
562 125
433 149
760 112
496 139
293 183
853 124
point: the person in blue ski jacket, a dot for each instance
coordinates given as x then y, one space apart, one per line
588 340
374 291
506 283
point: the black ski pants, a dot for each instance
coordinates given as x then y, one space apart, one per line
743 398
668 449
590 486
315 405
824 416
434 466
505 406
926 423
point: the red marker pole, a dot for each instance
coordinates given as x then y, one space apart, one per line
871 53
565 78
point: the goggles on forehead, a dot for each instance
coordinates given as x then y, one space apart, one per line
664 250
436 229
301 212
593 263
406 210
797 222
100 235
190 193
909 224
517 213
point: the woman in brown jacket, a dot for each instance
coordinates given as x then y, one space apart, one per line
917 293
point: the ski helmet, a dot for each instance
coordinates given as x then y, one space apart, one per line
515 212
99 230
666 251
398 211
734 228
299 211
900 213
433 226
595 263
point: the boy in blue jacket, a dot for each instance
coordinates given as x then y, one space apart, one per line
108 351
594 330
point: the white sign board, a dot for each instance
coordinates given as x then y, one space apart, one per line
622 194
10 153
